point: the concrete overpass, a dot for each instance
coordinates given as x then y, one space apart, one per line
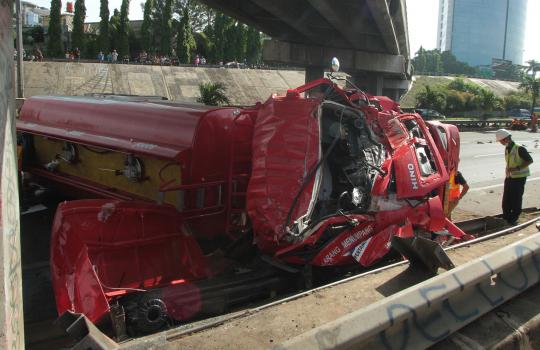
368 36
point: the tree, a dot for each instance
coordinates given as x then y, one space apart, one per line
38 35
103 39
123 30
77 37
200 15
166 28
212 94
240 40
55 47
185 43
147 27
530 83
431 98
531 86
253 46
220 26
114 29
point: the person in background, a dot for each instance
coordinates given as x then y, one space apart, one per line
101 57
517 169
114 56
457 190
534 122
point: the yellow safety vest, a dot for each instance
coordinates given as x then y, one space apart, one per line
513 160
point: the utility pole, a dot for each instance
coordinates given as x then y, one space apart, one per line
20 72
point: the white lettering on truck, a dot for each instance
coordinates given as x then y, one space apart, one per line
412 174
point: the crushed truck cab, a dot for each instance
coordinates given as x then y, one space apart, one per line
165 196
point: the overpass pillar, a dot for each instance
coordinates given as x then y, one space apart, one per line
313 73
369 82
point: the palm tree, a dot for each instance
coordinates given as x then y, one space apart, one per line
530 83
533 67
212 94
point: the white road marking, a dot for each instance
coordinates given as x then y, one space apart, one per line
499 185
489 155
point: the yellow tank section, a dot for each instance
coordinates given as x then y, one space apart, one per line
106 168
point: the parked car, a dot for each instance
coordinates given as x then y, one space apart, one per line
429 114
520 113
536 110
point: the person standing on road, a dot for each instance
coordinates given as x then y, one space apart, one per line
517 169
458 187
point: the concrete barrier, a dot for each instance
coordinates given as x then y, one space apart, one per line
244 86
427 313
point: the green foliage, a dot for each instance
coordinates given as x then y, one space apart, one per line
530 83
459 84
78 37
431 98
212 94
200 15
185 42
435 62
123 30
219 38
114 29
203 44
516 100
92 45
38 35
166 28
463 96
147 27
240 41
55 47
103 42
253 46
531 86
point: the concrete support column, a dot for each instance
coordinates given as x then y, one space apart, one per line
313 73
11 308
370 82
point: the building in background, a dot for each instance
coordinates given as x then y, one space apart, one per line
478 31
32 14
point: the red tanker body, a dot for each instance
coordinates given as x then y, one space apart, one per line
321 176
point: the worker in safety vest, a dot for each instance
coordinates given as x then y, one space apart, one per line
457 188
517 169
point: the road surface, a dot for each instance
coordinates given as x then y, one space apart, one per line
482 164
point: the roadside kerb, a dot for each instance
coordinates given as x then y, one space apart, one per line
425 314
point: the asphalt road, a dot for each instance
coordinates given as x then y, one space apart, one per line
482 164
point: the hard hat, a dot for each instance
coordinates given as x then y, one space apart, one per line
501 134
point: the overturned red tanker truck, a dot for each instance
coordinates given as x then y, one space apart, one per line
164 197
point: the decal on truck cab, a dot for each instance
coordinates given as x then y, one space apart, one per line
412 174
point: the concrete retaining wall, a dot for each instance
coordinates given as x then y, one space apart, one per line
244 86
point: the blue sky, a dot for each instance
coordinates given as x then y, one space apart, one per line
422 20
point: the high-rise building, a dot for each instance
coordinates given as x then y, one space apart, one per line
477 31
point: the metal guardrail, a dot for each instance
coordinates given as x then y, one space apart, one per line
479 124
494 123
425 314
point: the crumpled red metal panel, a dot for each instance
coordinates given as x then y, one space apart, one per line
101 248
285 150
